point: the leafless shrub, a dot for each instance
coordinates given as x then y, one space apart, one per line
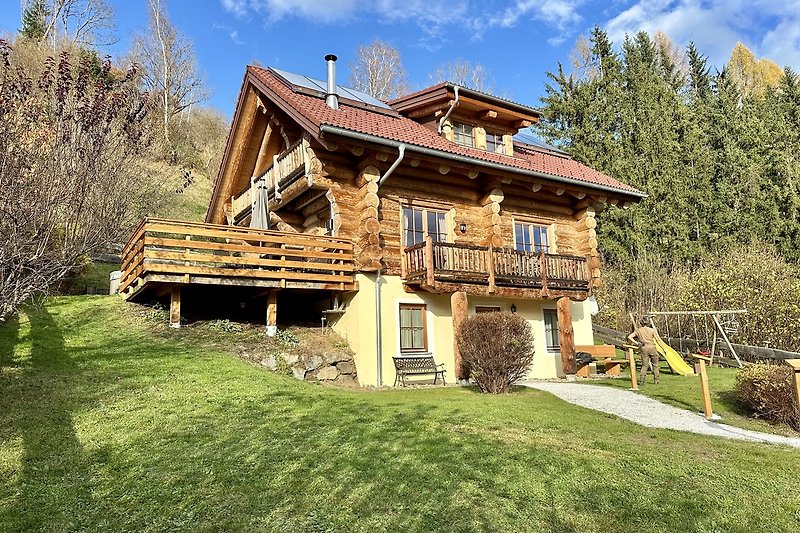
766 391
70 174
497 348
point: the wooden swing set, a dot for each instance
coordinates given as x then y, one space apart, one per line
716 325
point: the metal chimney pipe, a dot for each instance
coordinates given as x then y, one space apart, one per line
331 97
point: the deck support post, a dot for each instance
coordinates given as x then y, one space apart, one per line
175 307
459 308
795 364
705 391
490 268
429 262
272 313
566 336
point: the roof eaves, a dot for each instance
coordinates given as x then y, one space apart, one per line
336 130
496 99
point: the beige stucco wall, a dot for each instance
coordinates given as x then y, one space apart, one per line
357 325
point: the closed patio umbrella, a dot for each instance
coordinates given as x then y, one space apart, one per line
259 218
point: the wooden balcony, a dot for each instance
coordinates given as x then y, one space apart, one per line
446 267
172 252
286 167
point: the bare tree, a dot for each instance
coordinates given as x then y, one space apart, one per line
169 65
378 71
71 176
463 72
81 22
583 66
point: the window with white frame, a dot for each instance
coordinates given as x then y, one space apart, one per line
494 142
419 222
530 237
462 134
551 330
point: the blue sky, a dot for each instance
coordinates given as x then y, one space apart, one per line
518 40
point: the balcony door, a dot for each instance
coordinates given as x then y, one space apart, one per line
419 222
531 237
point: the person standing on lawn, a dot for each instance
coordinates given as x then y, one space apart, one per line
645 334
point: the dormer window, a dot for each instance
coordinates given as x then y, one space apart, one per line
494 142
462 134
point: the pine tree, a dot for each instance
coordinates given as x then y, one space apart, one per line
34 21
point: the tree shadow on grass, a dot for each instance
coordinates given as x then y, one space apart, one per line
9 336
53 488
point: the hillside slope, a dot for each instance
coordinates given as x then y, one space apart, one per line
108 423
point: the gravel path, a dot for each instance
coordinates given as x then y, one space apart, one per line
648 412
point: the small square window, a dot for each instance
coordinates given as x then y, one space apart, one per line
462 134
494 143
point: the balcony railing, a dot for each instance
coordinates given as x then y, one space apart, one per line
286 166
188 252
430 262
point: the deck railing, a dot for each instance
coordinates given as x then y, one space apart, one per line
428 262
211 251
285 166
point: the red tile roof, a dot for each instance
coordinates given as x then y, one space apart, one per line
404 130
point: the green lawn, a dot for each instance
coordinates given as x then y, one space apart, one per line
108 423
684 392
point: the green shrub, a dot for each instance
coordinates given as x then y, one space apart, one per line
766 391
157 313
287 338
225 326
497 348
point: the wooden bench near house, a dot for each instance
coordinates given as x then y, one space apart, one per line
604 353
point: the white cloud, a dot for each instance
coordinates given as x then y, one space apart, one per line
328 11
432 16
770 28
561 16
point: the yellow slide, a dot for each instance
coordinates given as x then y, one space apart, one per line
674 360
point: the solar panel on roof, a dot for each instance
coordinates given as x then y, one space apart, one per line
535 141
319 85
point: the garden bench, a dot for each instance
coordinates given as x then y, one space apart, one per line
605 353
416 365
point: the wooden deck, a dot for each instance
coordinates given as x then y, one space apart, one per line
173 252
447 267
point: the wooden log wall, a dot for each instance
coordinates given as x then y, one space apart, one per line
368 236
585 240
487 206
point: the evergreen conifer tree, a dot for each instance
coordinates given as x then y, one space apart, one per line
34 21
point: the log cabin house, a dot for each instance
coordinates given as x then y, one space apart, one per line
392 220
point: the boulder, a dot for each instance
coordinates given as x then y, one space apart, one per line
337 357
299 372
327 373
346 380
346 367
290 358
314 362
270 362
